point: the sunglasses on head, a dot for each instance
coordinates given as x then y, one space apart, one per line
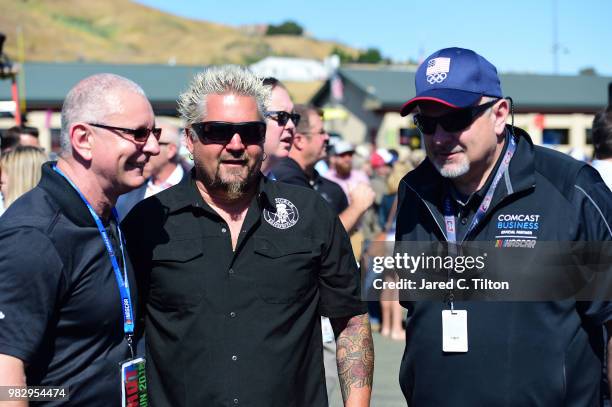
215 132
139 135
454 121
282 117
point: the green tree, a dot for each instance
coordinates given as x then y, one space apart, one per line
344 56
370 56
286 28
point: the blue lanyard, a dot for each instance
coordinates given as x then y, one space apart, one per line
122 278
449 215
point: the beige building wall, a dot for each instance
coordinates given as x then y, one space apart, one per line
351 127
355 130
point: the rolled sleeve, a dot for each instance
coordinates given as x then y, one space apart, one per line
339 282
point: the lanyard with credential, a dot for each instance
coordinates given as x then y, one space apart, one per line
122 278
449 215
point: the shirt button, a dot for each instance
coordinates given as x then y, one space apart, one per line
232 314
234 358
235 401
463 221
231 271
223 230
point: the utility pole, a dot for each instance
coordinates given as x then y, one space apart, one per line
555 45
8 70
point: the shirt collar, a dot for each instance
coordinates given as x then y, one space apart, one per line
65 196
176 176
186 194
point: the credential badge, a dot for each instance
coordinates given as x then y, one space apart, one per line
286 214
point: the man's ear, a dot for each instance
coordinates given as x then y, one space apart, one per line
172 151
298 141
81 140
189 140
501 111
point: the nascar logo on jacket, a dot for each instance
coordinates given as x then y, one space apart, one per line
517 230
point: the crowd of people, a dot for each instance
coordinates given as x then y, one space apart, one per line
233 277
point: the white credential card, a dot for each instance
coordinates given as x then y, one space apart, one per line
454 331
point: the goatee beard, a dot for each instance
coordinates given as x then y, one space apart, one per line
233 189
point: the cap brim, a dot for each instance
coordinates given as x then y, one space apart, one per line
454 98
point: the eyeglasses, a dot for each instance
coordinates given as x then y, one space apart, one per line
139 135
454 121
215 132
282 117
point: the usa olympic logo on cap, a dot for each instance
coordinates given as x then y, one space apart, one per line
437 70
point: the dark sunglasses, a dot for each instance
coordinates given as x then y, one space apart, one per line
282 117
140 135
452 122
214 132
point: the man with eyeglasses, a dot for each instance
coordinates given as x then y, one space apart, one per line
280 126
310 146
478 173
67 296
235 269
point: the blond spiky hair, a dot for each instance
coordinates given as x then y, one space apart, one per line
221 80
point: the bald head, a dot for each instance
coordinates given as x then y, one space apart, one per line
92 100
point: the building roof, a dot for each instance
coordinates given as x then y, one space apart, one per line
46 84
387 88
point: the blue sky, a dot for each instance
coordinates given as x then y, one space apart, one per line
515 35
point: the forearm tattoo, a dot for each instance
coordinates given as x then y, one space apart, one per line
355 355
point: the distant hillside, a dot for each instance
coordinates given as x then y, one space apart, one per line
120 31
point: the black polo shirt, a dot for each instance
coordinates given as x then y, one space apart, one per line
59 300
289 171
240 327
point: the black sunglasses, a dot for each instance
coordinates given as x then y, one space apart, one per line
282 117
140 135
454 121
215 132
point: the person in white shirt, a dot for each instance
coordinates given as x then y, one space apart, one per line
163 170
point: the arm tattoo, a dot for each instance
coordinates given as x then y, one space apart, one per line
355 354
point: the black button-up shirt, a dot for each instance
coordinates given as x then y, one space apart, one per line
241 327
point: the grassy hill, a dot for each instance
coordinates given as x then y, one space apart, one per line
120 31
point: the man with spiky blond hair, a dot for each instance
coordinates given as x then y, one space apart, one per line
235 269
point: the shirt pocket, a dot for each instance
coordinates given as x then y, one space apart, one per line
283 268
177 275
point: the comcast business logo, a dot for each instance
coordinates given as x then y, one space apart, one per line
285 216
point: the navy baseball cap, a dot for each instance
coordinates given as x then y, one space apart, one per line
455 77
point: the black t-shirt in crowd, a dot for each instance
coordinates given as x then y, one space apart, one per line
289 171
239 327
59 300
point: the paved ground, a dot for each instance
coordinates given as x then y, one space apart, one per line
386 392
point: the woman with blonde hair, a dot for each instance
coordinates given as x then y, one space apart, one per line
20 172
